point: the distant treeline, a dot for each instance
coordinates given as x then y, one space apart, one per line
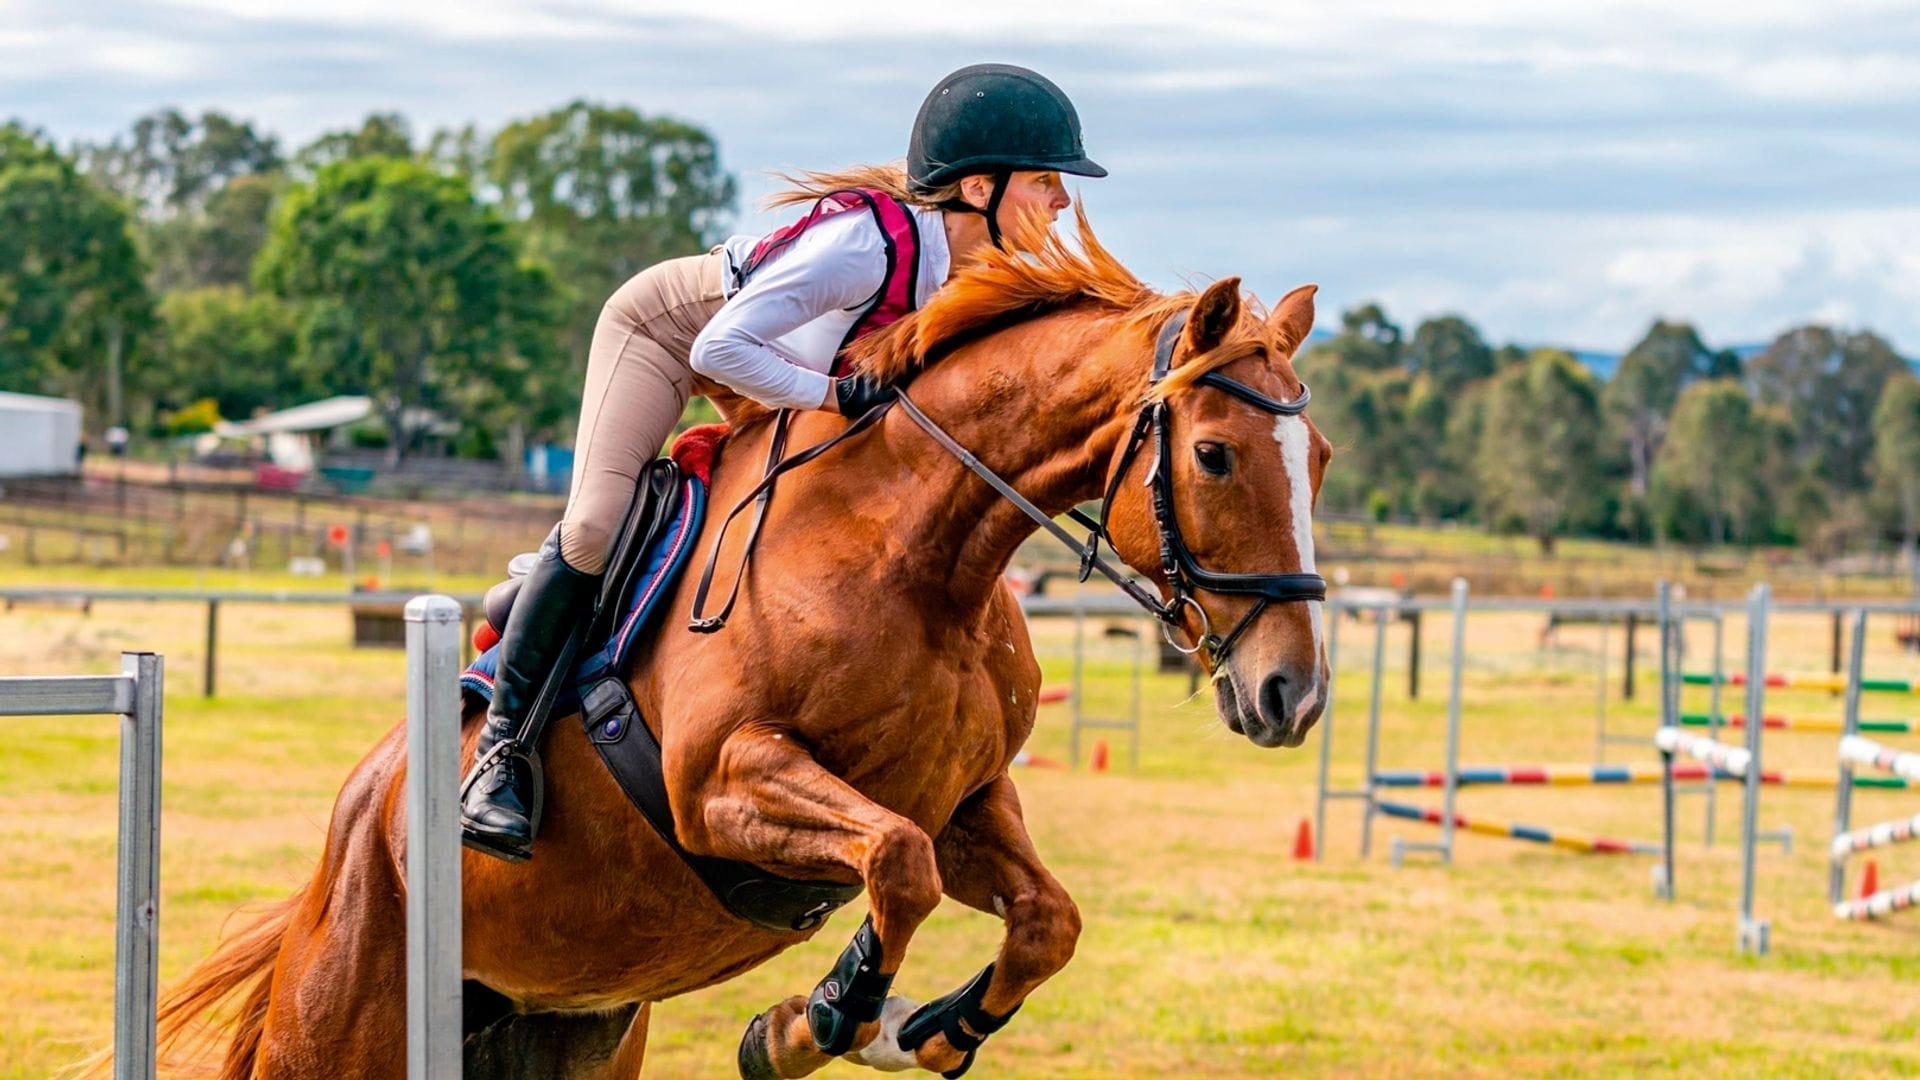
194 268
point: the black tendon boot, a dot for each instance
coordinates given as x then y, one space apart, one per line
499 803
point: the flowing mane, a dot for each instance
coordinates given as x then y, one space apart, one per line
1002 287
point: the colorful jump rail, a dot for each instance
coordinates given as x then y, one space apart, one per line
1834 683
1730 763
1859 751
1589 775
1831 724
1880 904
1898 831
1580 842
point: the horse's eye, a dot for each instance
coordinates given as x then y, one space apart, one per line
1213 457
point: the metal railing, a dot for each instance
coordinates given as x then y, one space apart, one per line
134 695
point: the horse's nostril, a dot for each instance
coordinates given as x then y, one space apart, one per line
1274 708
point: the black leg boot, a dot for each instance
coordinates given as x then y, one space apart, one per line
499 803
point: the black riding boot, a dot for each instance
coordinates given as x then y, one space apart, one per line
499 802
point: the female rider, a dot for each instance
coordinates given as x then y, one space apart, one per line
767 318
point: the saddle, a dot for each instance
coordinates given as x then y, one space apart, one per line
648 557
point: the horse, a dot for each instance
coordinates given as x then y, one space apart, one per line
855 720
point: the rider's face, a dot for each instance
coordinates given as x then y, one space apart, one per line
1033 192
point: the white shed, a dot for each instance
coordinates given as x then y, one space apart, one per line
39 436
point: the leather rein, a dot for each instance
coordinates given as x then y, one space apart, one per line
1185 576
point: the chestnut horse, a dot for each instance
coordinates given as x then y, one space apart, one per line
855 720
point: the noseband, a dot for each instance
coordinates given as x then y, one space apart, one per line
1185 576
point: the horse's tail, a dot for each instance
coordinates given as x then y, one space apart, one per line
189 1041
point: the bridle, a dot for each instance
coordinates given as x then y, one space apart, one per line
1185 576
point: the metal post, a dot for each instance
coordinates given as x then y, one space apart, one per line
1626 684
136 983
1843 788
1600 696
1753 933
213 638
1141 633
1326 735
1714 716
1413 656
1076 704
1377 691
1669 708
433 839
1453 713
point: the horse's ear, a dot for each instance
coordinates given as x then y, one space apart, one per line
1213 315
1292 318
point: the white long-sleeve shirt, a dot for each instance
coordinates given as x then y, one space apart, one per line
776 338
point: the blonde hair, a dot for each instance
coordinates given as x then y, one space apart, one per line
807 186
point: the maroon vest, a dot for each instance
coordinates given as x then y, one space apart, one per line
900 287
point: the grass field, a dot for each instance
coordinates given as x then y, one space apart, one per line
1208 952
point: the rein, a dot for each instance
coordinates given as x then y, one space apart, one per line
1184 573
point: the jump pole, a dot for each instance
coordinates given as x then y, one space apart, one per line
1449 818
1752 935
433 839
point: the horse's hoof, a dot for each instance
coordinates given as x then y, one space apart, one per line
756 1057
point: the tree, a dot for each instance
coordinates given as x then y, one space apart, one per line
1367 341
1450 351
604 193
239 349
169 164
72 301
1640 397
1709 481
418 292
1829 382
379 135
1896 455
1536 462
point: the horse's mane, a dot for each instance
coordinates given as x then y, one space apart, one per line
1041 273
1044 273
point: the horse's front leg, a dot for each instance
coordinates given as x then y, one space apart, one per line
987 862
768 802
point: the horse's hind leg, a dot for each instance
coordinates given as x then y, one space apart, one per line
987 862
769 802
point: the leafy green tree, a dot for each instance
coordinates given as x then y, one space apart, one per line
170 164
1449 351
605 192
238 349
1829 382
379 135
419 292
1367 341
1640 397
1709 482
1536 462
73 304
1896 455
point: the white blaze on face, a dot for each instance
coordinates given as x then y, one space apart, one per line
1295 440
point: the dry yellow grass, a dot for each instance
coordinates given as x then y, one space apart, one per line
1208 952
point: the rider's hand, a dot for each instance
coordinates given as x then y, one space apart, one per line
855 395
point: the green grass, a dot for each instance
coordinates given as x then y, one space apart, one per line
1208 952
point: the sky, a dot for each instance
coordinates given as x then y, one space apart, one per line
1560 173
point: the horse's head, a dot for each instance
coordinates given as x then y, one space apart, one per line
1244 477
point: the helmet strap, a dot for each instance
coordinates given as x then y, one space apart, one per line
1001 179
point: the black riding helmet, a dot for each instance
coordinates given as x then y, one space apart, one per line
994 118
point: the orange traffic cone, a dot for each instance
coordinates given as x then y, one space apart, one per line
1100 756
1869 879
1303 842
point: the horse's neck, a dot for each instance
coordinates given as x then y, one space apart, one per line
1043 405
